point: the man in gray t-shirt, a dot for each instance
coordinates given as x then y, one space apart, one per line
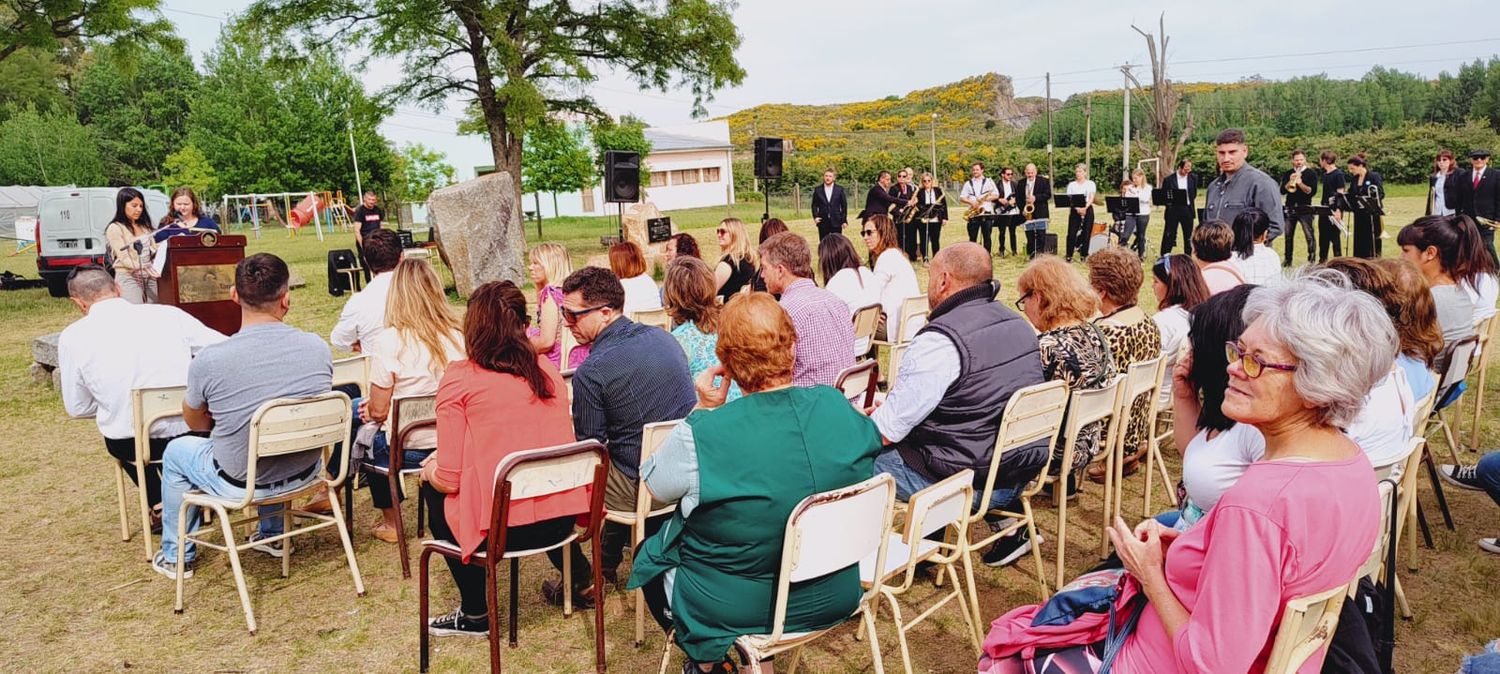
226 384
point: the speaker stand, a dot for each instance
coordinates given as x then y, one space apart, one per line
767 214
620 219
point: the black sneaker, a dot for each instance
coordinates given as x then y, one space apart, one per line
456 624
1466 477
168 567
1009 549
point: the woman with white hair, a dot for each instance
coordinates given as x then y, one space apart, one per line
1299 521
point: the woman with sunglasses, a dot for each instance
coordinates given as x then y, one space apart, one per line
931 215
738 266
895 280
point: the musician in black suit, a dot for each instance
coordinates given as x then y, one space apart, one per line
1008 206
906 224
1334 182
830 206
878 201
1300 183
1036 191
1367 225
1481 196
1180 214
931 215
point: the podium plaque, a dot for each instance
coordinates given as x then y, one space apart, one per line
197 277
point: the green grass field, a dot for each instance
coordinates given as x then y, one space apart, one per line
75 597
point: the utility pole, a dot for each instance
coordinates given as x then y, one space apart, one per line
1050 171
354 156
1088 131
1125 139
933 145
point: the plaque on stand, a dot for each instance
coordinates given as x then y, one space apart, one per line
198 274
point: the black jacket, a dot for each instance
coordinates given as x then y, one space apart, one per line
1300 198
835 211
1373 186
879 202
1333 181
1170 183
1453 189
902 194
936 209
1484 200
1015 193
1043 193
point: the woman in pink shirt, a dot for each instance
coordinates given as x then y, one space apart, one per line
1299 521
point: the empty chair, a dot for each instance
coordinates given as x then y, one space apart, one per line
352 371
858 383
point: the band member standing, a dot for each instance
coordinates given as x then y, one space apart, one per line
1445 186
906 221
1301 183
1184 185
368 217
1036 193
830 206
1135 223
1365 183
1240 185
980 192
878 201
1081 219
1008 209
1481 197
1334 182
932 214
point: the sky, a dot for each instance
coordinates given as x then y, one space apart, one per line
853 50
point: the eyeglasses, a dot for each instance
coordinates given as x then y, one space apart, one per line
868 232
722 231
570 316
1252 364
1021 303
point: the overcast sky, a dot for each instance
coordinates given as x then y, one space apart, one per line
828 52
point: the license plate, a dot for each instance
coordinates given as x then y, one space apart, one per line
67 243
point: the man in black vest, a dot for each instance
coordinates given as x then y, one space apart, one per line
959 371
830 207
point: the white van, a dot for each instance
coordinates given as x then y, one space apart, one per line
70 229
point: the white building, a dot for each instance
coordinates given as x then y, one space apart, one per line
690 168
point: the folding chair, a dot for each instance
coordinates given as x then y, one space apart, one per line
1100 405
567 377
898 351
1307 624
858 383
865 321
355 371
524 475
653 317
940 507
1033 414
408 415
569 342
280 427
1457 358
652 435
1142 381
1406 507
827 532
913 318
1485 329
148 406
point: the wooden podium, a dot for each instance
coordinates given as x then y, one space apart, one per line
198 276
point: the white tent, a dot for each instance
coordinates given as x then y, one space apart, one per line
18 201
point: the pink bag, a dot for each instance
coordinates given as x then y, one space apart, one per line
1014 633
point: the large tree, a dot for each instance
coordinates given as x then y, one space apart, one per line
521 60
48 25
139 108
48 149
554 160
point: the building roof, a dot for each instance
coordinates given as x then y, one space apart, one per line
663 141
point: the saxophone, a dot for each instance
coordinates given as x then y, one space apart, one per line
1026 212
973 212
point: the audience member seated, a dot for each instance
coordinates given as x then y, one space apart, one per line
1451 255
363 316
1412 310
688 291
479 402
895 280
1058 302
1115 275
1178 286
682 244
550 264
768 229
725 540
943 410
738 266
118 347
226 383
825 335
629 264
1257 263
407 359
1213 243
635 375
1301 520
844 276
1483 476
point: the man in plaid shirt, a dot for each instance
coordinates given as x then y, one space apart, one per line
825 328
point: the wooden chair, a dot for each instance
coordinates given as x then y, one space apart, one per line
408 415
1307 624
1142 381
866 319
148 405
1486 330
1032 415
827 532
654 317
652 436
1101 405
858 382
279 428
524 475
355 371
940 507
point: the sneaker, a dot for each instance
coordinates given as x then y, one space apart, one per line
1466 477
168 567
1490 545
456 624
272 549
1009 549
552 592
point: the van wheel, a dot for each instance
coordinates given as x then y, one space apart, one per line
57 285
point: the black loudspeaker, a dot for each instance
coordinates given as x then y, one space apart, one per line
768 158
339 281
622 177
1049 244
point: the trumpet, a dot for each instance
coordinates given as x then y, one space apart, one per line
1293 182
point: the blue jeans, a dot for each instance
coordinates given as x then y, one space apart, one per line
380 455
189 463
909 482
1489 475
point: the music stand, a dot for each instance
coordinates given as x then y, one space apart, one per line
1367 205
1119 207
1164 197
1069 200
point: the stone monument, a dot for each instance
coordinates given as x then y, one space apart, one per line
634 220
480 232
